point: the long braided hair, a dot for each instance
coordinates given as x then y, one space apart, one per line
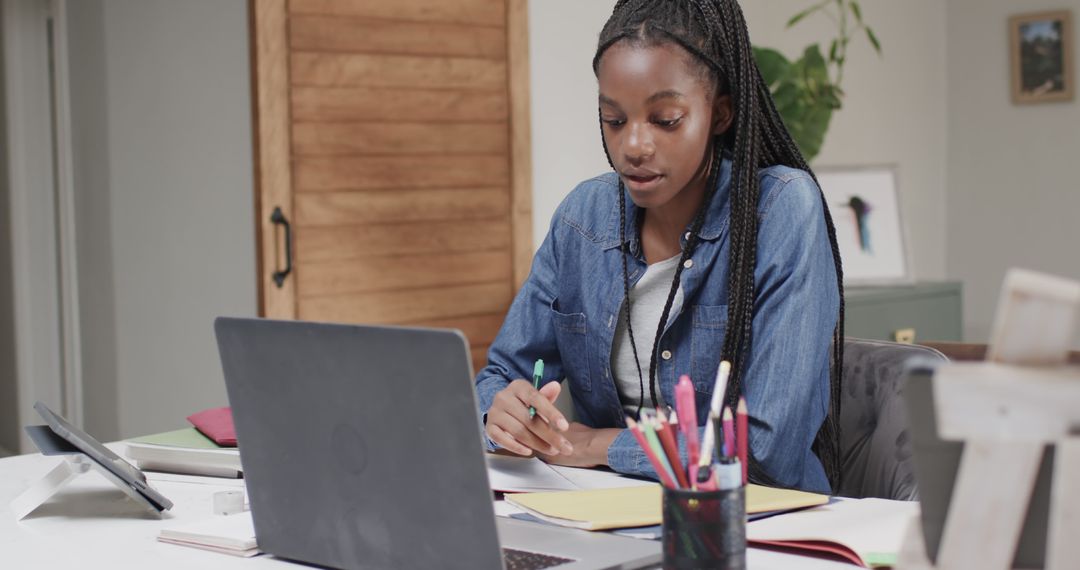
714 32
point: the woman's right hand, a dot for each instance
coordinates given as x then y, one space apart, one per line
509 425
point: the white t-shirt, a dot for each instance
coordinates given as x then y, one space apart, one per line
647 298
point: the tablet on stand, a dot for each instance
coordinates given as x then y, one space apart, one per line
81 453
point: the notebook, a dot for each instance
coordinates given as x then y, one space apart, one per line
184 451
866 532
216 424
226 534
605 509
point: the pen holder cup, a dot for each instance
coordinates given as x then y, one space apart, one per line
704 529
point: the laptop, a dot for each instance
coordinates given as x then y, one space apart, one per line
362 448
937 462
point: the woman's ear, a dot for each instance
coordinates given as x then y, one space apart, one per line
723 114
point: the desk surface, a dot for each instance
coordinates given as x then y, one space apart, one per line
92 523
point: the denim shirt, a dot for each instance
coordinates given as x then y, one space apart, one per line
566 313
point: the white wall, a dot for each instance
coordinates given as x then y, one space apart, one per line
90 164
894 111
1013 198
9 428
164 168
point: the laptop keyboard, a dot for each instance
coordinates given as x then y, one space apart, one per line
522 560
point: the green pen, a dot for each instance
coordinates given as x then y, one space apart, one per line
538 373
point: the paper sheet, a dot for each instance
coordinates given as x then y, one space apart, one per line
601 509
524 475
599 478
529 475
598 509
871 528
232 532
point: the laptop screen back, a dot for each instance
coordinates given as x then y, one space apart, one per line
360 445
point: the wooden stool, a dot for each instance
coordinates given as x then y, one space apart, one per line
1006 414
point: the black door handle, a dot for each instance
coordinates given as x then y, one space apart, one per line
278 218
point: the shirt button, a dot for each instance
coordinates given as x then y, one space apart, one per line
666 355
688 263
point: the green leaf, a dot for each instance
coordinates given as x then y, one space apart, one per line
815 122
833 48
831 97
856 10
773 65
798 17
786 94
815 70
873 40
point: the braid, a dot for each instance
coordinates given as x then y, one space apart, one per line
714 32
626 280
626 298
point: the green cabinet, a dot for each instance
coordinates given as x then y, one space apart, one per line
929 311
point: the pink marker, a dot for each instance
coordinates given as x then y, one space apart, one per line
686 407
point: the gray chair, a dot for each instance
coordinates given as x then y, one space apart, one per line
875 449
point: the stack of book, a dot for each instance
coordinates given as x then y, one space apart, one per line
226 534
184 451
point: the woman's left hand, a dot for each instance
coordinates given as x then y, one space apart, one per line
590 446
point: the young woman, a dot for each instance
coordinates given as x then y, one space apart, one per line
710 241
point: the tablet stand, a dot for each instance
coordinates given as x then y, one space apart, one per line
1006 414
72 464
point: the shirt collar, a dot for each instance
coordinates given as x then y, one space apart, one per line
716 218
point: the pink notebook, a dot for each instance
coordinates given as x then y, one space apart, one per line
216 424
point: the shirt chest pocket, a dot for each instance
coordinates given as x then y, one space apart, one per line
573 346
706 343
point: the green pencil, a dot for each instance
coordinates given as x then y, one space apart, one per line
538 374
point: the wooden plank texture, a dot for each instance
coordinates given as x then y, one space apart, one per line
984 524
399 272
272 166
479 356
338 208
359 35
398 104
341 208
337 243
1062 548
390 172
479 329
322 139
402 173
344 70
520 139
485 12
412 305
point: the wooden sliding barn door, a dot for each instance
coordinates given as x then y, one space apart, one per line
392 158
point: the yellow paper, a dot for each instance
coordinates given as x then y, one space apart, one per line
765 499
604 509
598 509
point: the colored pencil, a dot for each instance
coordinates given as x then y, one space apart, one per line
671 448
743 434
729 433
639 435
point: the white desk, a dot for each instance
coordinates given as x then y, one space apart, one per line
92 524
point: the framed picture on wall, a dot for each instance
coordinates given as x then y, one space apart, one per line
1041 46
866 213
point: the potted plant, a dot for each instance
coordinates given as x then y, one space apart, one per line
808 90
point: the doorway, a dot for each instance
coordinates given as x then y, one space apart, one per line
39 341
